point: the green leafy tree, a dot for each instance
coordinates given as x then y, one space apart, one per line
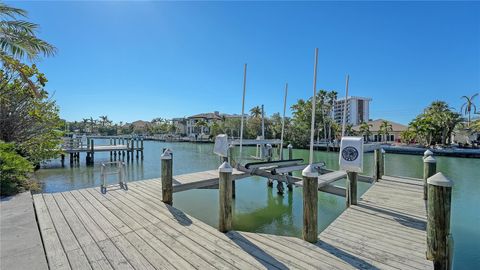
18 40
15 171
297 130
436 124
468 107
408 136
30 121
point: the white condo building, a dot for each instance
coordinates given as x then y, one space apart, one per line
358 110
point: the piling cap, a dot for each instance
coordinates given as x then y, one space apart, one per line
439 179
428 153
290 145
225 168
310 171
429 159
167 154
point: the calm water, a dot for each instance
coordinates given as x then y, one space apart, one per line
259 209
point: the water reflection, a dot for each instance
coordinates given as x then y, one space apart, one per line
277 212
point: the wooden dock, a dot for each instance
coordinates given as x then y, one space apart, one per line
118 145
85 229
101 148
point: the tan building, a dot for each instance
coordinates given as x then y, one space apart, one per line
393 136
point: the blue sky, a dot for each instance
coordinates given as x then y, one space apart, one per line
140 60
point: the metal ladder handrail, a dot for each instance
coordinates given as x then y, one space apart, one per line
120 172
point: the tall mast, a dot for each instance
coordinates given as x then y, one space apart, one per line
263 124
312 124
344 120
243 107
283 120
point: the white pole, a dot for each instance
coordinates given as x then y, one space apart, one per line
283 120
263 124
312 124
243 108
345 106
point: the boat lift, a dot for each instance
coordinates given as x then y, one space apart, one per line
274 170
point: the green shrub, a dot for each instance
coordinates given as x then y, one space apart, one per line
14 171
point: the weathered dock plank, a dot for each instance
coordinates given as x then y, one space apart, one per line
386 228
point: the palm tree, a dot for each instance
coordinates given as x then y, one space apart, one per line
200 124
18 40
349 131
104 120
467 107
92 124
84 124
365 130
256 111
385 129
332 98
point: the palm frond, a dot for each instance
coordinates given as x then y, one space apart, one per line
20 26
21 43
11 12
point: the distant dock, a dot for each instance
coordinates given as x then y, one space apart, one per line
119 146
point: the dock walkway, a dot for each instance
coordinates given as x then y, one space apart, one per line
85 229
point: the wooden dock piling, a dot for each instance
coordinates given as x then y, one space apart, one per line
290 157
439 240
382 162
225 197
167 177
351 185
92 152
231 161
378 164
310 204
128 149
141 147
429 169
136 144
132 142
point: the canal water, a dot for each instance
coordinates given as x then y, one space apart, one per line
258 208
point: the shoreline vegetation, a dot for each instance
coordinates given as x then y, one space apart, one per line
439 127
31 129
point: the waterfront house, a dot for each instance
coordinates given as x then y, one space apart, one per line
199 124
393 136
